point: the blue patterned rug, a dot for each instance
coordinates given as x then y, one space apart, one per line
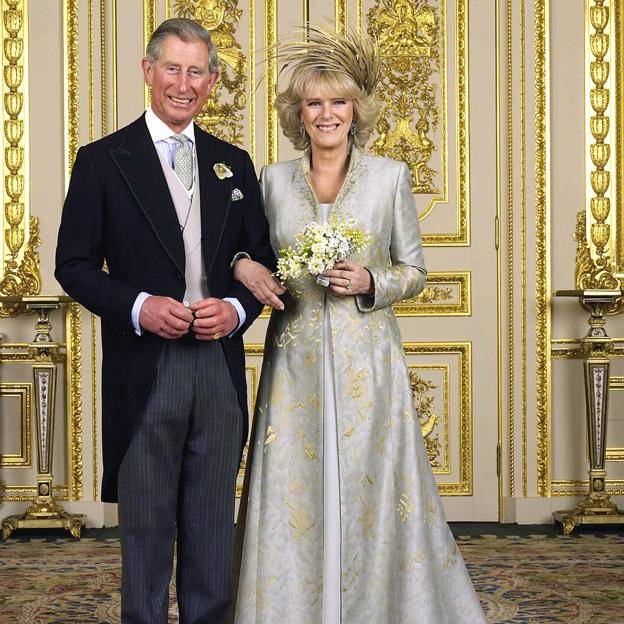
520 579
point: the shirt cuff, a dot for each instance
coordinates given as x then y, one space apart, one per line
239 256
136 312
242 316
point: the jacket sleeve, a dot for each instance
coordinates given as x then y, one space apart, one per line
80 248
407 275
254 241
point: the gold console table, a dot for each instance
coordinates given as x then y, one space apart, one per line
44 353
596 349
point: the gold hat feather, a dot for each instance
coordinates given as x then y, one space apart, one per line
322 49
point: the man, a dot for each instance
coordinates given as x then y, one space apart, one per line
165 207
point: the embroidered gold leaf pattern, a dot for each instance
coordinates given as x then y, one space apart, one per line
301 523
404 507
366 520
309 451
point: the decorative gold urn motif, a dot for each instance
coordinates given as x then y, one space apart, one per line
224 112
19 274
409 36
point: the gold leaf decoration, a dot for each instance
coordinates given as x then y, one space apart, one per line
22 277
409 36
423 402
224 113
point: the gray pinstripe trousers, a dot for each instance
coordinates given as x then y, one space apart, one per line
177 480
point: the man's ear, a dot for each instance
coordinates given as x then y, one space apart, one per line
214 77
147 71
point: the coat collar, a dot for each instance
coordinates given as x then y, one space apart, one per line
354 161
138 163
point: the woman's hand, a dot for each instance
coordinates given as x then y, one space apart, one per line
260 281
347 278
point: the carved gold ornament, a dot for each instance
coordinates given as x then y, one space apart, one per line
595 257
224 112
20 274
423 402
409 38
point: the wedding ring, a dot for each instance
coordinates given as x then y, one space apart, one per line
348 286
217 335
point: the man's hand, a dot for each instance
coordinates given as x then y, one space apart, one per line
260 281
214 318
165 317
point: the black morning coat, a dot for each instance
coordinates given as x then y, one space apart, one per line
119 210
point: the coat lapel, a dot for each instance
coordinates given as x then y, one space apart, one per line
216 195
139 165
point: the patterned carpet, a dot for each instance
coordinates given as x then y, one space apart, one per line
520 578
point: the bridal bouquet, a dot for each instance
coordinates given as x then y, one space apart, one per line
319 246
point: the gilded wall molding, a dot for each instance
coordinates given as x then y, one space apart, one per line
512 253
20 269
23 392
341 16
74 400
511 330
463 352
223 115
73 330
413 46
270 123
542 218
149 25
446 294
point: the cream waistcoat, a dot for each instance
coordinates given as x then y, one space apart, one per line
195 271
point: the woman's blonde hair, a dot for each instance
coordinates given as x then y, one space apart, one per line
330 84
340 65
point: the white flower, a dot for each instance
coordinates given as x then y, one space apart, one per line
222 171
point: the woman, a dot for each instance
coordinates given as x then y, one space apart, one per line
343 522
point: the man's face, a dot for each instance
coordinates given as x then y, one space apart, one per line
180 81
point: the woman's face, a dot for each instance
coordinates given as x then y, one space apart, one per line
327 119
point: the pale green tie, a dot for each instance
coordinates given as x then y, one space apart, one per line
183 161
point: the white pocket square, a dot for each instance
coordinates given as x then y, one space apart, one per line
237 194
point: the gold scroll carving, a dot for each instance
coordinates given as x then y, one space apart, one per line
423 402
222 116
410 39
20 271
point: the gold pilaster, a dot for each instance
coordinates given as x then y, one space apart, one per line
542 269
270 40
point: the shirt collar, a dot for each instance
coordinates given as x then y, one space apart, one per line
160 131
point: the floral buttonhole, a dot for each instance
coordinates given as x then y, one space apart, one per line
222 171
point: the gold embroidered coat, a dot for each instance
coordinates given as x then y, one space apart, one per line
400 563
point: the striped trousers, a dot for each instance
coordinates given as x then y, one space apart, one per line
176 486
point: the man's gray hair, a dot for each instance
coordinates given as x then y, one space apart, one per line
186 30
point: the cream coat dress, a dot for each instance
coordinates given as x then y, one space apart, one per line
399 561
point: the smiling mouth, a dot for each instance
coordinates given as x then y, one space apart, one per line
180 100
328 128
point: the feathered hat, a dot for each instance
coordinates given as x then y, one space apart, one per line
322 49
